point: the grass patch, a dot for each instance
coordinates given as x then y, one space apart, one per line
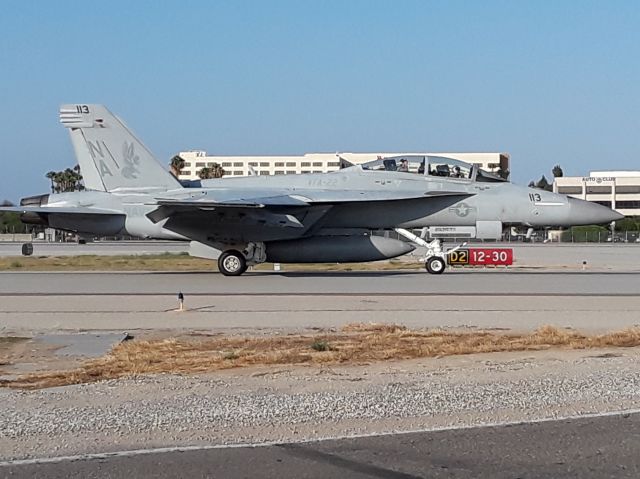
321 345
359 343
151 262
173 262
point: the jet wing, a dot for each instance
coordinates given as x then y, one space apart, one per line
235 199
240 216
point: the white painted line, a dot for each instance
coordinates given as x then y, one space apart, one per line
164 450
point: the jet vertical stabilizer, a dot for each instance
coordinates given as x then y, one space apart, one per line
110 156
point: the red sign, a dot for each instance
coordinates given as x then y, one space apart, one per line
481 257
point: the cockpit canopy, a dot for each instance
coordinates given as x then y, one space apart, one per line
433 166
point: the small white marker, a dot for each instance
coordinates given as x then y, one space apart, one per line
180 301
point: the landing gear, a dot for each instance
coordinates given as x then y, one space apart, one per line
232 263
435 265
435 256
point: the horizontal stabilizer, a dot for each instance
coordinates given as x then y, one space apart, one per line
78 210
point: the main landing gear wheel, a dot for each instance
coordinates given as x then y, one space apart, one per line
232 263
435 265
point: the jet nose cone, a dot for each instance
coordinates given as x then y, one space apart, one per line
588 213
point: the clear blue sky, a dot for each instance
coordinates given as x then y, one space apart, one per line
547 81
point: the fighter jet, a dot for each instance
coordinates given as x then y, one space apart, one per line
321 217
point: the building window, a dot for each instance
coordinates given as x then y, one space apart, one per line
305 171
606 203
305 163
237 173
598 190
291 163
279 163
628 189
226 164
264 172
253 163
333 163
264 163
185 173
570 190
200 165
187 164
627 205
317 163
279 172
238 164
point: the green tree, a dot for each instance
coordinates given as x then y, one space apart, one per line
630 223
10 222
177 165
557 171
543 184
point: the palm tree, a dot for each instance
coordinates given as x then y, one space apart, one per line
557 171
205 173
218 171
176 164
50 176
214 171
68 180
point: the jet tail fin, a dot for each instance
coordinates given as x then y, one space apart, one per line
110 156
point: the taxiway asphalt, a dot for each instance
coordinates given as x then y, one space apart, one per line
590 447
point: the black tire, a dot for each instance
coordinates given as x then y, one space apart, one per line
435 265
232 263
27 249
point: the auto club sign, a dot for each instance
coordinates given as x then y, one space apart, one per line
598 179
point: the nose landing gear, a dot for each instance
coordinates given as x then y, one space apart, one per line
435 265
435 257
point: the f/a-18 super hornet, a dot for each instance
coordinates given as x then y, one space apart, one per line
321 217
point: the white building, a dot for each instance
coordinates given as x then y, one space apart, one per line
619 190
315 162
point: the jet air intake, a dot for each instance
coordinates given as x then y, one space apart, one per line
336 249
31 218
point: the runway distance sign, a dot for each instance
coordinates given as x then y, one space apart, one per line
481 257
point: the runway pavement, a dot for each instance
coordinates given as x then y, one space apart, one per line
65 302
464 282
592 447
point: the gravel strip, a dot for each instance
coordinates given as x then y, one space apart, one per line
304 402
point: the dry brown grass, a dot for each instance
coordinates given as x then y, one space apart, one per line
358 343
170 262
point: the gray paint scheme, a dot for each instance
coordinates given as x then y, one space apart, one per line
129 191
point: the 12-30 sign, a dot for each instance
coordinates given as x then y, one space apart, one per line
481 257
